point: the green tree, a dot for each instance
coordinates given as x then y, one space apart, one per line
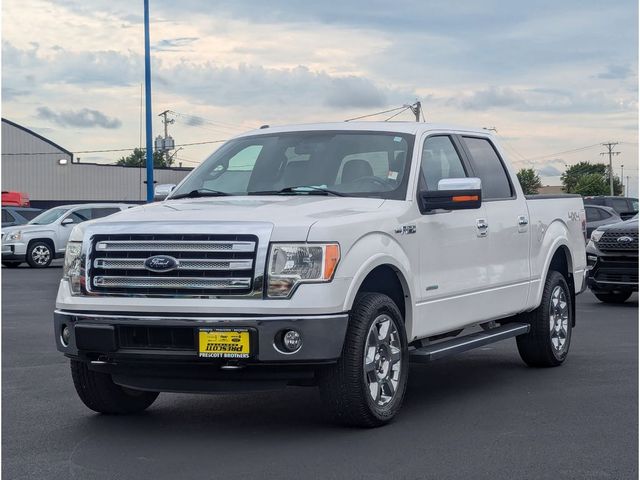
572 176
138 159
592 184
529 180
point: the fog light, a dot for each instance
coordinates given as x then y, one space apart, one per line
292 340
65 335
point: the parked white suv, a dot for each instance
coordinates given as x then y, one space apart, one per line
45 237
327 254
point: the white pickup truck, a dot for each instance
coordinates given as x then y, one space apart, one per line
326 254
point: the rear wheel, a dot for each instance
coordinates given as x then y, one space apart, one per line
549 337
39 254
366 386
98 392
617 297
11 264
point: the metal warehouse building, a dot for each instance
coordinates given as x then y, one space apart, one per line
48 173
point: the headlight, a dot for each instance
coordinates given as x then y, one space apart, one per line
14 236
292 264
73 266
596 235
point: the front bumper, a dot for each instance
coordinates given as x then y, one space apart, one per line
14 251
98 336
611 272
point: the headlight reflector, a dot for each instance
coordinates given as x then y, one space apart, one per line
14 236
294 263
72 270
596 235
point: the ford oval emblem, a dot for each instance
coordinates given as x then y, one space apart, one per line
161 263
625 239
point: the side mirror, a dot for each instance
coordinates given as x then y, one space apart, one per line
67 221
162 191
453 194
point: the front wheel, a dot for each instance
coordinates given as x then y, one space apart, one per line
99 393
39 255
366 386
549 337
617 297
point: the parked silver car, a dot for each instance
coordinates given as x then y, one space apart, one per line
598 216
45 237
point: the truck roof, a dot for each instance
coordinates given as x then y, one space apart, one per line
400 127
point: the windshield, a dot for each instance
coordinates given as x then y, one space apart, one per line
349 163
49 216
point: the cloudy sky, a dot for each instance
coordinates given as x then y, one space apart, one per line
551 76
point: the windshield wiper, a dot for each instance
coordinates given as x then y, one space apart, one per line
303 189
200 192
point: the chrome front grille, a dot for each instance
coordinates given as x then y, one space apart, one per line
205 265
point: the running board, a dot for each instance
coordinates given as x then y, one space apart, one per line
467 342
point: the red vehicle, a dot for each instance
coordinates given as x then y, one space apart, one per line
15 199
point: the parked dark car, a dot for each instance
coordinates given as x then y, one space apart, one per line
626 207
598 216
612 261
18 215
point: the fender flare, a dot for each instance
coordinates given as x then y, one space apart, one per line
392 256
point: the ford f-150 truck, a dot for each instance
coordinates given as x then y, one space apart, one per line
326 254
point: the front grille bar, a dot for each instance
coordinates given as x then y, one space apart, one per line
174 246
171 282
184 264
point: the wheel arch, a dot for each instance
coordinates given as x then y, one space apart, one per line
384 276
561 261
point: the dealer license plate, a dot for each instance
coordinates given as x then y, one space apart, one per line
224 343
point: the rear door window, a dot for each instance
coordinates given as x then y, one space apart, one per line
489 168
593 214
620 205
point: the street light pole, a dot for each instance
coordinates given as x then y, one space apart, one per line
147 95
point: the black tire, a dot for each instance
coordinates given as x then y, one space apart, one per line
39 254
98 392
345 387
617 297
11 264
537 348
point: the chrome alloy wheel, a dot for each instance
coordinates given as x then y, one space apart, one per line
41 255
558 318
382 360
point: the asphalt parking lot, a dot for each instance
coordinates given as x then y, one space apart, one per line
482 415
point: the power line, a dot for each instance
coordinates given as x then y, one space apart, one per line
112 150
540 157
404 107
397 113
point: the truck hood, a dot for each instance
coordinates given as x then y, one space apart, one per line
291 215
28 228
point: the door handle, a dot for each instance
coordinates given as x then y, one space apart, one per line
522 221
482 226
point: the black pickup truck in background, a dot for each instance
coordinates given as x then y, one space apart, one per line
612 261
626 207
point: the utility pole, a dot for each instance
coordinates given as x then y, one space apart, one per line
147 84
416 109
611 153
167 142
